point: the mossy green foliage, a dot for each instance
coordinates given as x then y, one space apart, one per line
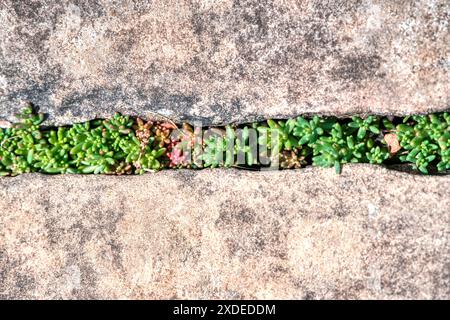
331 142
425 140
98 146
125 145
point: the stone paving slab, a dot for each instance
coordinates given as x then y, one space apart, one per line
223 61
228 234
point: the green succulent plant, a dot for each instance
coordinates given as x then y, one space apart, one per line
20 143
334 149
214 148
426 139
344 144
219 149
282 131
364 126
377 154
99 146
309 131
125 145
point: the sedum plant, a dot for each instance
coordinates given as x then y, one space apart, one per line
350 143
219 148
20 143
293 159
426 140
126 145
283 133
365 126
112 146
309 131
213 151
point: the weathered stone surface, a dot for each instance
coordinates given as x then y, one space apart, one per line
367 233
223 61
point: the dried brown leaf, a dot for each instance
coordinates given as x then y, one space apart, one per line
5 124
392 142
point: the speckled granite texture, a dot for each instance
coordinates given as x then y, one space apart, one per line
223 61
302 234
306 234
